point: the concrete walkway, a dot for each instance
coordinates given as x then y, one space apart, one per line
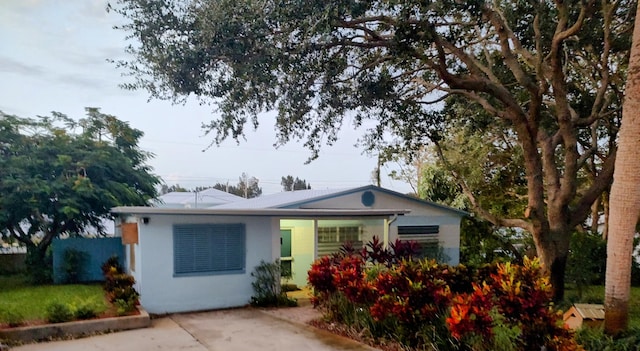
228 330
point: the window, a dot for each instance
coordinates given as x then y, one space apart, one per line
330 239
339 234
203 249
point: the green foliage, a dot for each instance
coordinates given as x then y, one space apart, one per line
87 309
124 306
73 265
290 184
39 264
86 166
12 317
59 312
247 187
587 260
593 339
18 294
267 288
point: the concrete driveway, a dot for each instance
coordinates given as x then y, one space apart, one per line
228 330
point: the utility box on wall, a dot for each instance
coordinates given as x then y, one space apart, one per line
129 233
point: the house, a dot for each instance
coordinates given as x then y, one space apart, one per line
187 259
581 314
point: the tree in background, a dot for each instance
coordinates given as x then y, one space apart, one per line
164 189
59 176
480 241
625 200
290 184
247 187
548 74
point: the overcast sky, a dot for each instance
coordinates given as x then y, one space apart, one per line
53 57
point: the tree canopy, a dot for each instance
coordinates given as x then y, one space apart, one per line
290 184
247 187
61 176
547 75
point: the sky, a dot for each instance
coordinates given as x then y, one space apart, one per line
54 56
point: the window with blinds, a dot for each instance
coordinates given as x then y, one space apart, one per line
330 239
206 249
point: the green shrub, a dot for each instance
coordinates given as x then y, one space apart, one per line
86 310
124 306
12 318
594 339
73 263
266 286
58 312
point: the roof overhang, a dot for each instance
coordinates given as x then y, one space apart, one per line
264 212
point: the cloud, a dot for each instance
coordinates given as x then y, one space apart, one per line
10 65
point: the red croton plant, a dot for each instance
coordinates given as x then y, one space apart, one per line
419 301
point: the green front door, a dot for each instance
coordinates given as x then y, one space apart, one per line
285 252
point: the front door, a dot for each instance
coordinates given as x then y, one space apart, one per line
285 252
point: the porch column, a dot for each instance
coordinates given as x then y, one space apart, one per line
385 238
315 239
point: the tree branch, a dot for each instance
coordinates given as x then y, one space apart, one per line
495 220
600 184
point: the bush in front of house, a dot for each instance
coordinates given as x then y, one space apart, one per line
12 317
267 289
118 287
87 310
421 302
59 312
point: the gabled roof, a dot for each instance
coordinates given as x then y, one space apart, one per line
300 198
590 311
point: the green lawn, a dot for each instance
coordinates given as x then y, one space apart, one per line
32 301
595 294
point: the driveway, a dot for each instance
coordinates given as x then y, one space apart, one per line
228 330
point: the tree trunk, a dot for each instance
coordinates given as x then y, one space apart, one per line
624 201
553 249
39 265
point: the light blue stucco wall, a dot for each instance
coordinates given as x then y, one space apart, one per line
161 292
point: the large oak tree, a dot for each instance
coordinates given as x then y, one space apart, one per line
549 73
59 176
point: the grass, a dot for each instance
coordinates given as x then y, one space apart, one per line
16 294
595 294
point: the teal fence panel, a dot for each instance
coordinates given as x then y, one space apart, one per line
96 252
